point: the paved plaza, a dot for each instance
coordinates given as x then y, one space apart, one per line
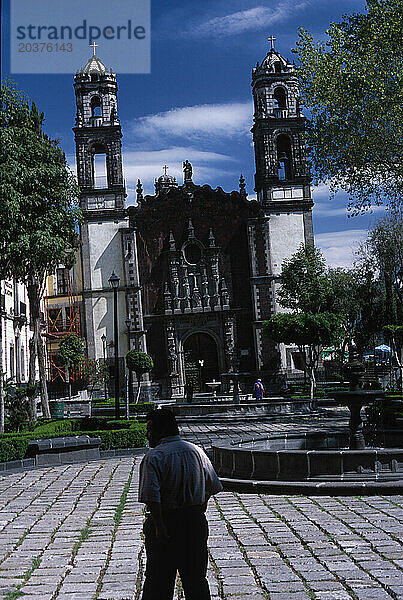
75 533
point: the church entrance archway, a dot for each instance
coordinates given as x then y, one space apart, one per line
201 360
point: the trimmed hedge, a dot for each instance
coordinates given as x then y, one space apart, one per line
14 446
120 438
141 407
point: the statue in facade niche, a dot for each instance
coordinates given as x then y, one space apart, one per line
188 171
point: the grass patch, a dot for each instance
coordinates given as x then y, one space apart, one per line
84 533
117 517
17 593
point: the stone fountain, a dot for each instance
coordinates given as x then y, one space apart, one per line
321 460
213 385
356 398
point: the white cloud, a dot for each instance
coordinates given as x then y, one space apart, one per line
258 17
336 206
211 120
148 165
339 247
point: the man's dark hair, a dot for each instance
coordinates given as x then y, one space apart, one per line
164 420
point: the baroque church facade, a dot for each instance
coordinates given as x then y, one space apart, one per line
198 268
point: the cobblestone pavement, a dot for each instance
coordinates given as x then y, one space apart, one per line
74 533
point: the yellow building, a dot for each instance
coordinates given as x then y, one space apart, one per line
63 305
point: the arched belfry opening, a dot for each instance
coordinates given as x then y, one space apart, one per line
200 360
96 108
284 157
280 103
99 166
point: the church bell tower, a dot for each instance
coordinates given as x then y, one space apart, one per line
282 175
282 185
98 140
108 244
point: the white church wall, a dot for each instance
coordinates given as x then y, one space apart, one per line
102 309
105 247
286 236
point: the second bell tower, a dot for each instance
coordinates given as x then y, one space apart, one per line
282 174
98 139
105 236
282 185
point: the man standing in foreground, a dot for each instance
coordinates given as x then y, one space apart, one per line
176 481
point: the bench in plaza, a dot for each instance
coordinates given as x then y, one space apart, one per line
64 450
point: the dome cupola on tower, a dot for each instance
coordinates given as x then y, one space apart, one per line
165 182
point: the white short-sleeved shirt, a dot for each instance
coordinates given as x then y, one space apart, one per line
177 474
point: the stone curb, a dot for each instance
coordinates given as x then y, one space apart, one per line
245 418
28 464
312 488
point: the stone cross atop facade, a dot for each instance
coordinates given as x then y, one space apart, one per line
93 46
271 39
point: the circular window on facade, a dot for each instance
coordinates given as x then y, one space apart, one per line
192 253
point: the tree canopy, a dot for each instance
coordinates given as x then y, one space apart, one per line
305 286
304 329
38 211
70 352
309 332
352 86
38 194
139 362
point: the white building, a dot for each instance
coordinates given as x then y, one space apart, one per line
15 330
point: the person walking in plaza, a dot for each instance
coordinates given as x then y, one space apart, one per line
258 389
176 482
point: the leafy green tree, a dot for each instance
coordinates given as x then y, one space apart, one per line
377 296
384 246
345 285
14 110
370 300
95 372
305 286
394 333
309 332
352 86
18 405
70 355
140 363
38 210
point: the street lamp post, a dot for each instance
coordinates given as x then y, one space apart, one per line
103 339
114 283
201 363
399 290
130 374
399 283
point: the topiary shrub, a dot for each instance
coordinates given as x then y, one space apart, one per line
139 363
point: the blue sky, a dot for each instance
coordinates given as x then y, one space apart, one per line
196 102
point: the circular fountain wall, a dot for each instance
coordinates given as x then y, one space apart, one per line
319 457
222 408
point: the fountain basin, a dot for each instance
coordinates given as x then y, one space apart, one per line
249 409
311 457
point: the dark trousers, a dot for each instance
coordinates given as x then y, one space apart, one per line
185 552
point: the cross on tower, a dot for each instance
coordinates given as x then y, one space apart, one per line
93 46
165 167
272 40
